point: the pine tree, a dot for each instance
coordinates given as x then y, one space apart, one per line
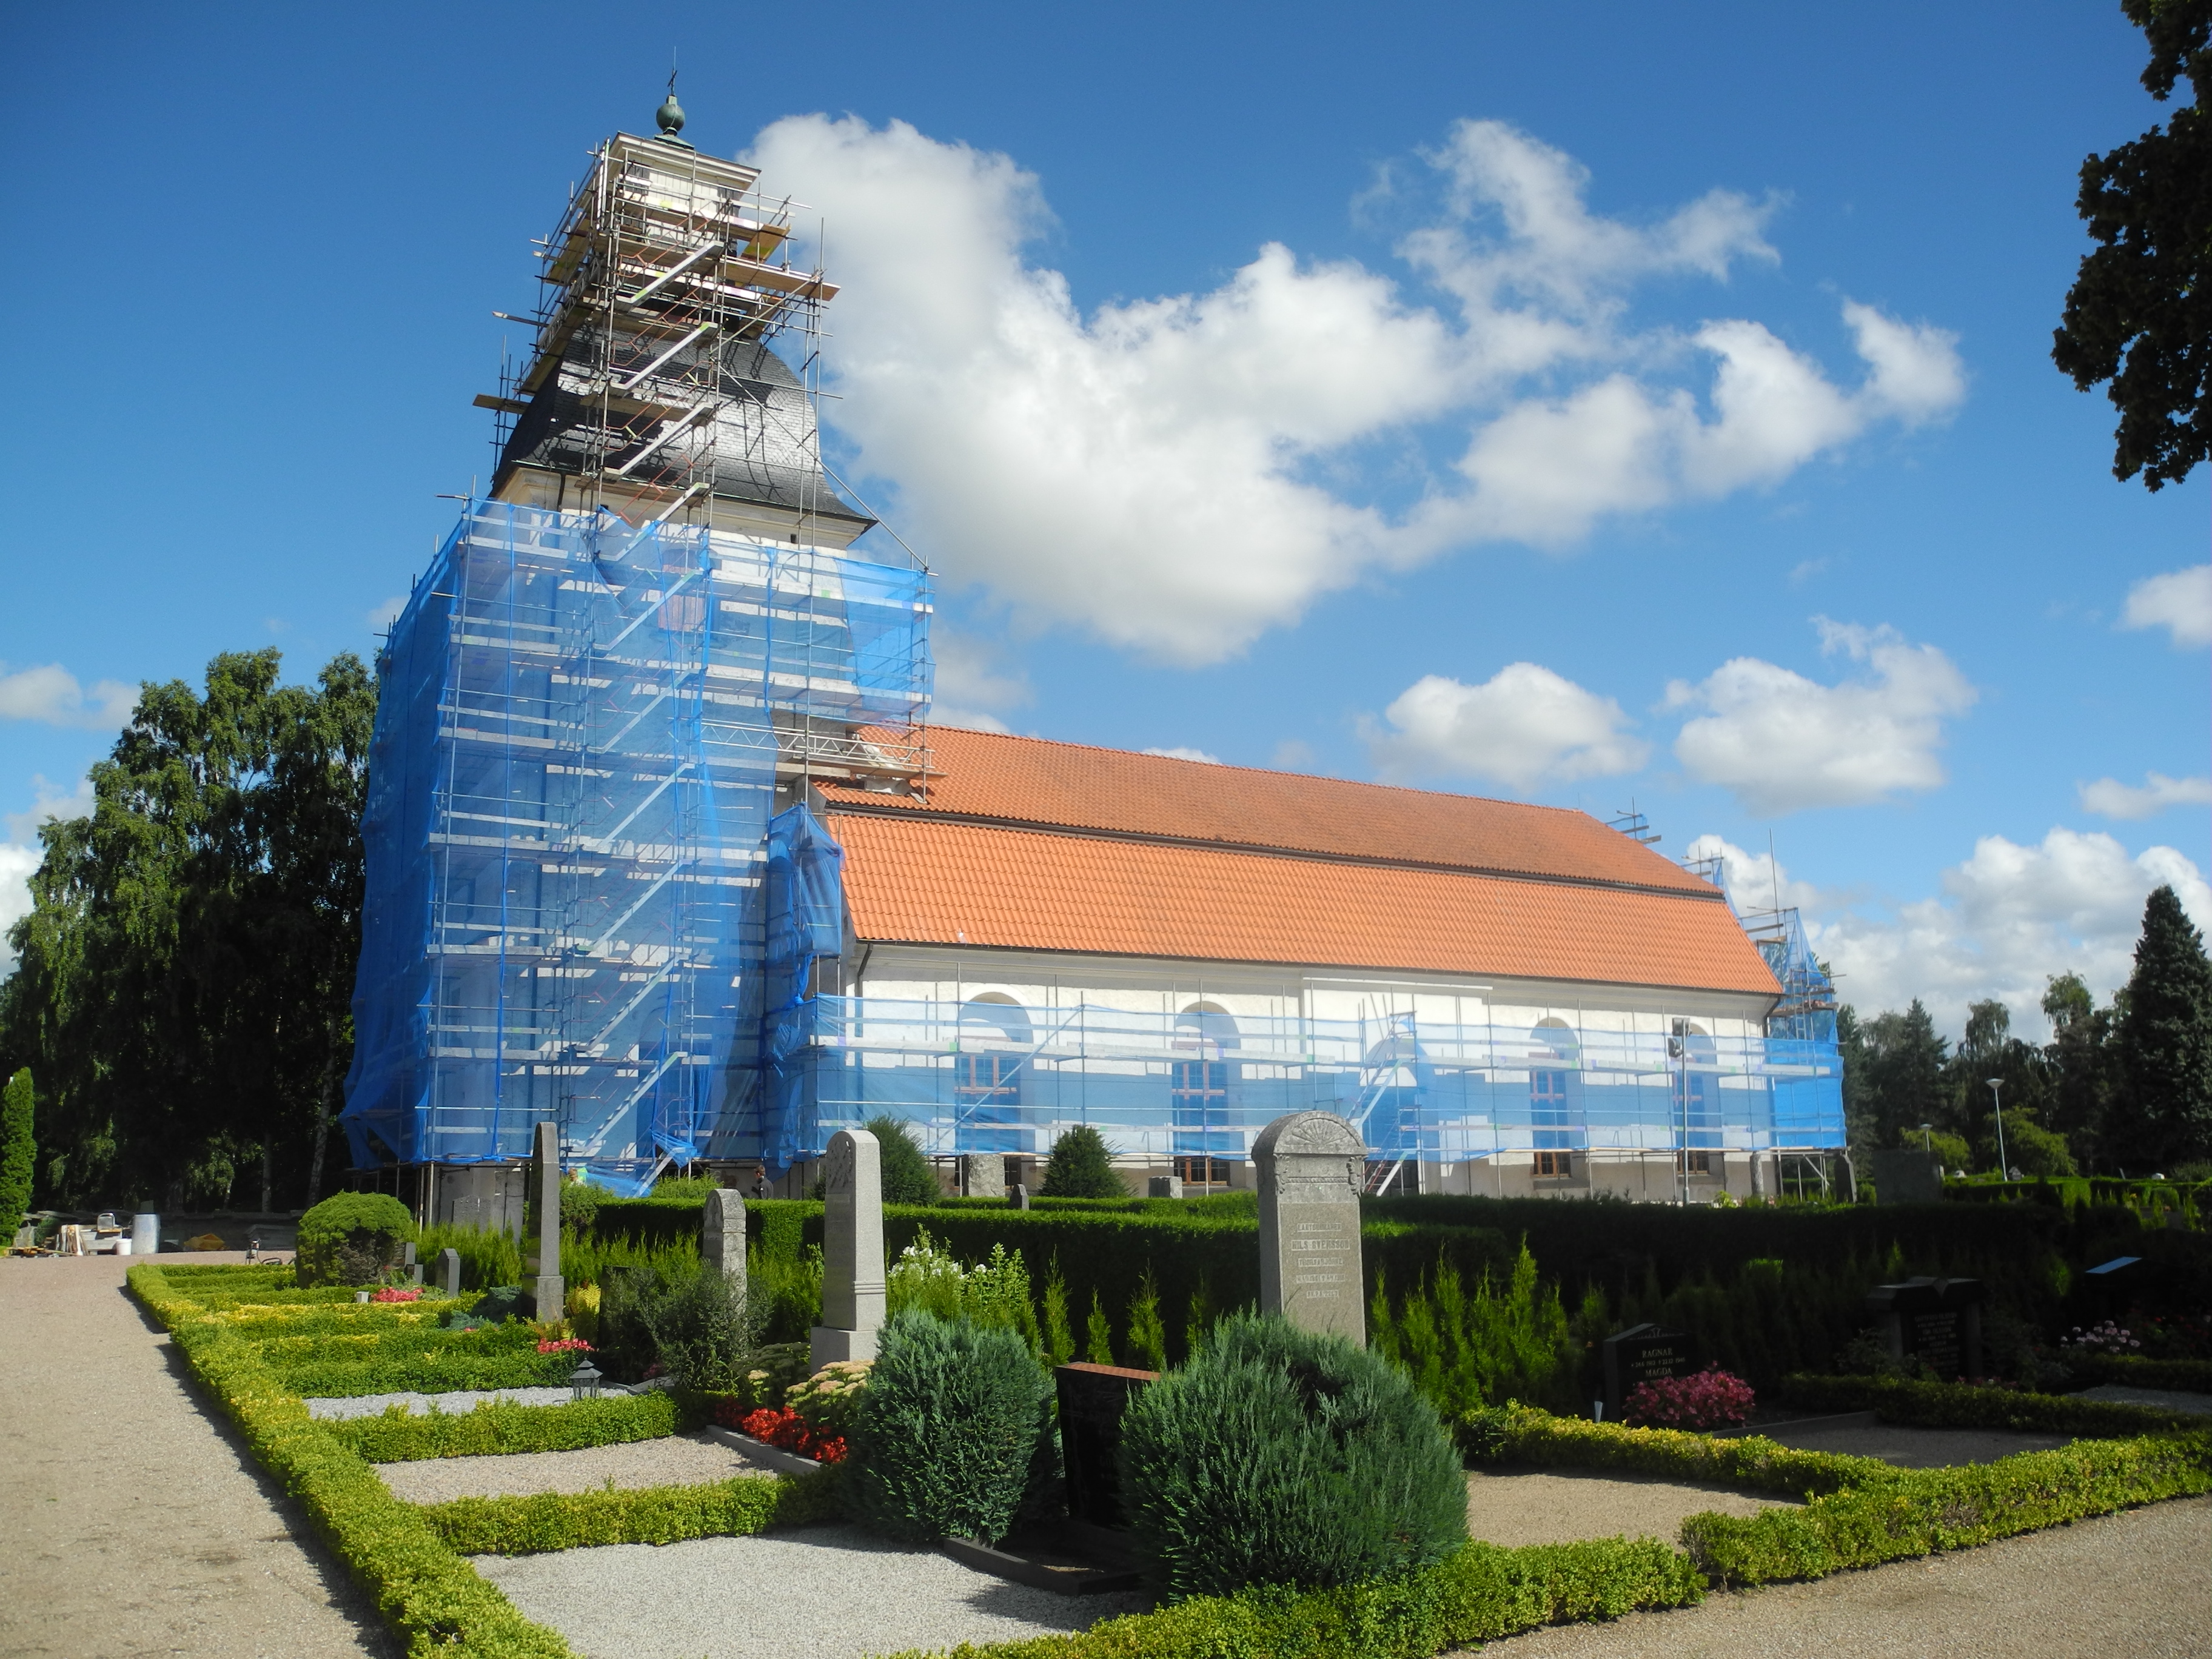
1905 1060
2165 1043
1082 1166
908 1176
17 1150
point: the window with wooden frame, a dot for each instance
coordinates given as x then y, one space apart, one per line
1553 1165
1697 1162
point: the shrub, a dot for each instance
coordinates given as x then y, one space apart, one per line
700 1331
636 1515
488 1256
1711 1399
18 1153
1280 1456
946 1430
1513 1341
399 1436
1082 1166
907 1176
995 1293
352 1238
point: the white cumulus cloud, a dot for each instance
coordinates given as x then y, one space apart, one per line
2180 602
52 696
1754 881
1783 742
2109 798
1198 755
975 688
1522 726
1170 473
2007 918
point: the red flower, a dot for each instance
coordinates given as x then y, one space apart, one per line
393 1293
785 1429
1711 1400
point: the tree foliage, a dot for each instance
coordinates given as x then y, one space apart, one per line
187 969
907 1176
2165 1042
18 1152
2140 312
1082 1166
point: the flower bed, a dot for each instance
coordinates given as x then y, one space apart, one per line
1711 1399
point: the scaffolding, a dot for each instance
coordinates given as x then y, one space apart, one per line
654 630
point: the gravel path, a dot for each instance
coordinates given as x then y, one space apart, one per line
819 1593
1558 1506
134 1524
676 1460
2138 1585
372 1405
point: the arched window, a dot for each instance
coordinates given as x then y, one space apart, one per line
995 1040
1198 1090
1552 1055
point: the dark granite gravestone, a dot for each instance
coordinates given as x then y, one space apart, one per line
1018 1196
1091 1400
1642 1353
449 1271
1937 1321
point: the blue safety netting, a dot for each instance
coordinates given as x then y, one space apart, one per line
804 898
571 777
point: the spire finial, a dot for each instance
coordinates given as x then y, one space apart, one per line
670 115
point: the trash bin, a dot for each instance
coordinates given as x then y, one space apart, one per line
145 1235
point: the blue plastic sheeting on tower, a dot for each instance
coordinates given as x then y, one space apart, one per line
571 780
804 898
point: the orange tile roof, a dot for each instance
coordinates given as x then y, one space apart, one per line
982 774
910 879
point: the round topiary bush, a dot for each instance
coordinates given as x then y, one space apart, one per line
1280 1456
905 1169
944 1438
352 1238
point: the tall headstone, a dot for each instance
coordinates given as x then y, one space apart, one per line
550 1294
1309 1167
983 1175
1017 1197
1642 1353
1907 1174
852 1251
449 1270
722 1242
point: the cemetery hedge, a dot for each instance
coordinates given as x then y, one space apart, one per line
399 1436
433 1598
1921 1511
2130 1371
550 1521
1956 1406
1480 1593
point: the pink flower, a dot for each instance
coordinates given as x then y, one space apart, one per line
392 1293
1713 1399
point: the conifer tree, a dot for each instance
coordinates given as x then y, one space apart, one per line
907 1176
1082 1166
17 1151
2166 1042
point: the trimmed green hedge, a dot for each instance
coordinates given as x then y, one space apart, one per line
1750 1461
1482 1592
433 1370
644 1514
399 1436
432 1597
1921 1511
2134 1371
1954 1406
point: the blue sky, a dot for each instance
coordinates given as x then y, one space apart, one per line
1586 405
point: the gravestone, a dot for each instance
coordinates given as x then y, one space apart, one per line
1908 1176
449 1270
1164 1187
1642 1353
722 1238
1937 1321
1091 1400
1017 1197
408 1264
852 1251
983 1175
550 1298
1310 1166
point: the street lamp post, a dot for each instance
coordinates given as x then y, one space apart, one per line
1927 1138
1997 1105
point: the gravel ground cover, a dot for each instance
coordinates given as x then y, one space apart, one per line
2138 1584
2164 1399
136 1525
819 1593
676 1460
1858 1435
1558 1506
372 1405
